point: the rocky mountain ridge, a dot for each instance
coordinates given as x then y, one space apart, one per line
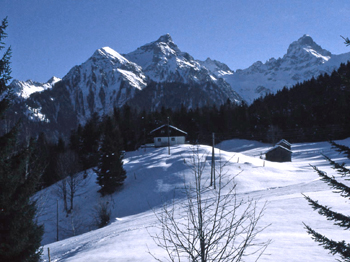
160 74
304 59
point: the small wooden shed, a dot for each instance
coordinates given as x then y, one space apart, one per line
279 154
168 135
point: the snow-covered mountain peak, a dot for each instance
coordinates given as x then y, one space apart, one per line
304 59
217 68
208 60
108 79
307 44
53 80
306 40
165 45
162 49
165 39
23 89
110 54
257 64
256 67
162 60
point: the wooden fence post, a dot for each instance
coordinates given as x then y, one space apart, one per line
48 252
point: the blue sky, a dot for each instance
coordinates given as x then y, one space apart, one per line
49 37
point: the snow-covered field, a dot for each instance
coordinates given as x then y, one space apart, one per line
153 175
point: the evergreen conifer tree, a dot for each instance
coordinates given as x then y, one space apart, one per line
89 142
341 248
347 40
110 171
20 236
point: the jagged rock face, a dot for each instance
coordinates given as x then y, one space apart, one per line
104 81
163 62
304 59
175 94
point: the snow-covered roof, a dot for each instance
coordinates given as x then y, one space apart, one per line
283 141
173 127
277 146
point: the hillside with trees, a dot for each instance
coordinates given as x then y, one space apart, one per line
20 170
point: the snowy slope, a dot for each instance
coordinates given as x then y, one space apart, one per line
152 177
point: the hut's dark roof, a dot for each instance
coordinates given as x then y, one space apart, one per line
173 127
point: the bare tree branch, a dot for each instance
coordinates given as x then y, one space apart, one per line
346 40
68 166
211 224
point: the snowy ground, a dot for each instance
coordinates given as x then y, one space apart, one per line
152 178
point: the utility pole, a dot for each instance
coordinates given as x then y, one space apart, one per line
57 222
144 133
168 138
212 177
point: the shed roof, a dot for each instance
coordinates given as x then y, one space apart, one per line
173 127
278 146
283 141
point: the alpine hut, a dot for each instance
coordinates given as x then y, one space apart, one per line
168 135
281 152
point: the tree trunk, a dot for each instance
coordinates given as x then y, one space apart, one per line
64 191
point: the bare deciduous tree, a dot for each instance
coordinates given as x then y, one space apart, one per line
62 193
68 166
102 212
74 225
211 224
